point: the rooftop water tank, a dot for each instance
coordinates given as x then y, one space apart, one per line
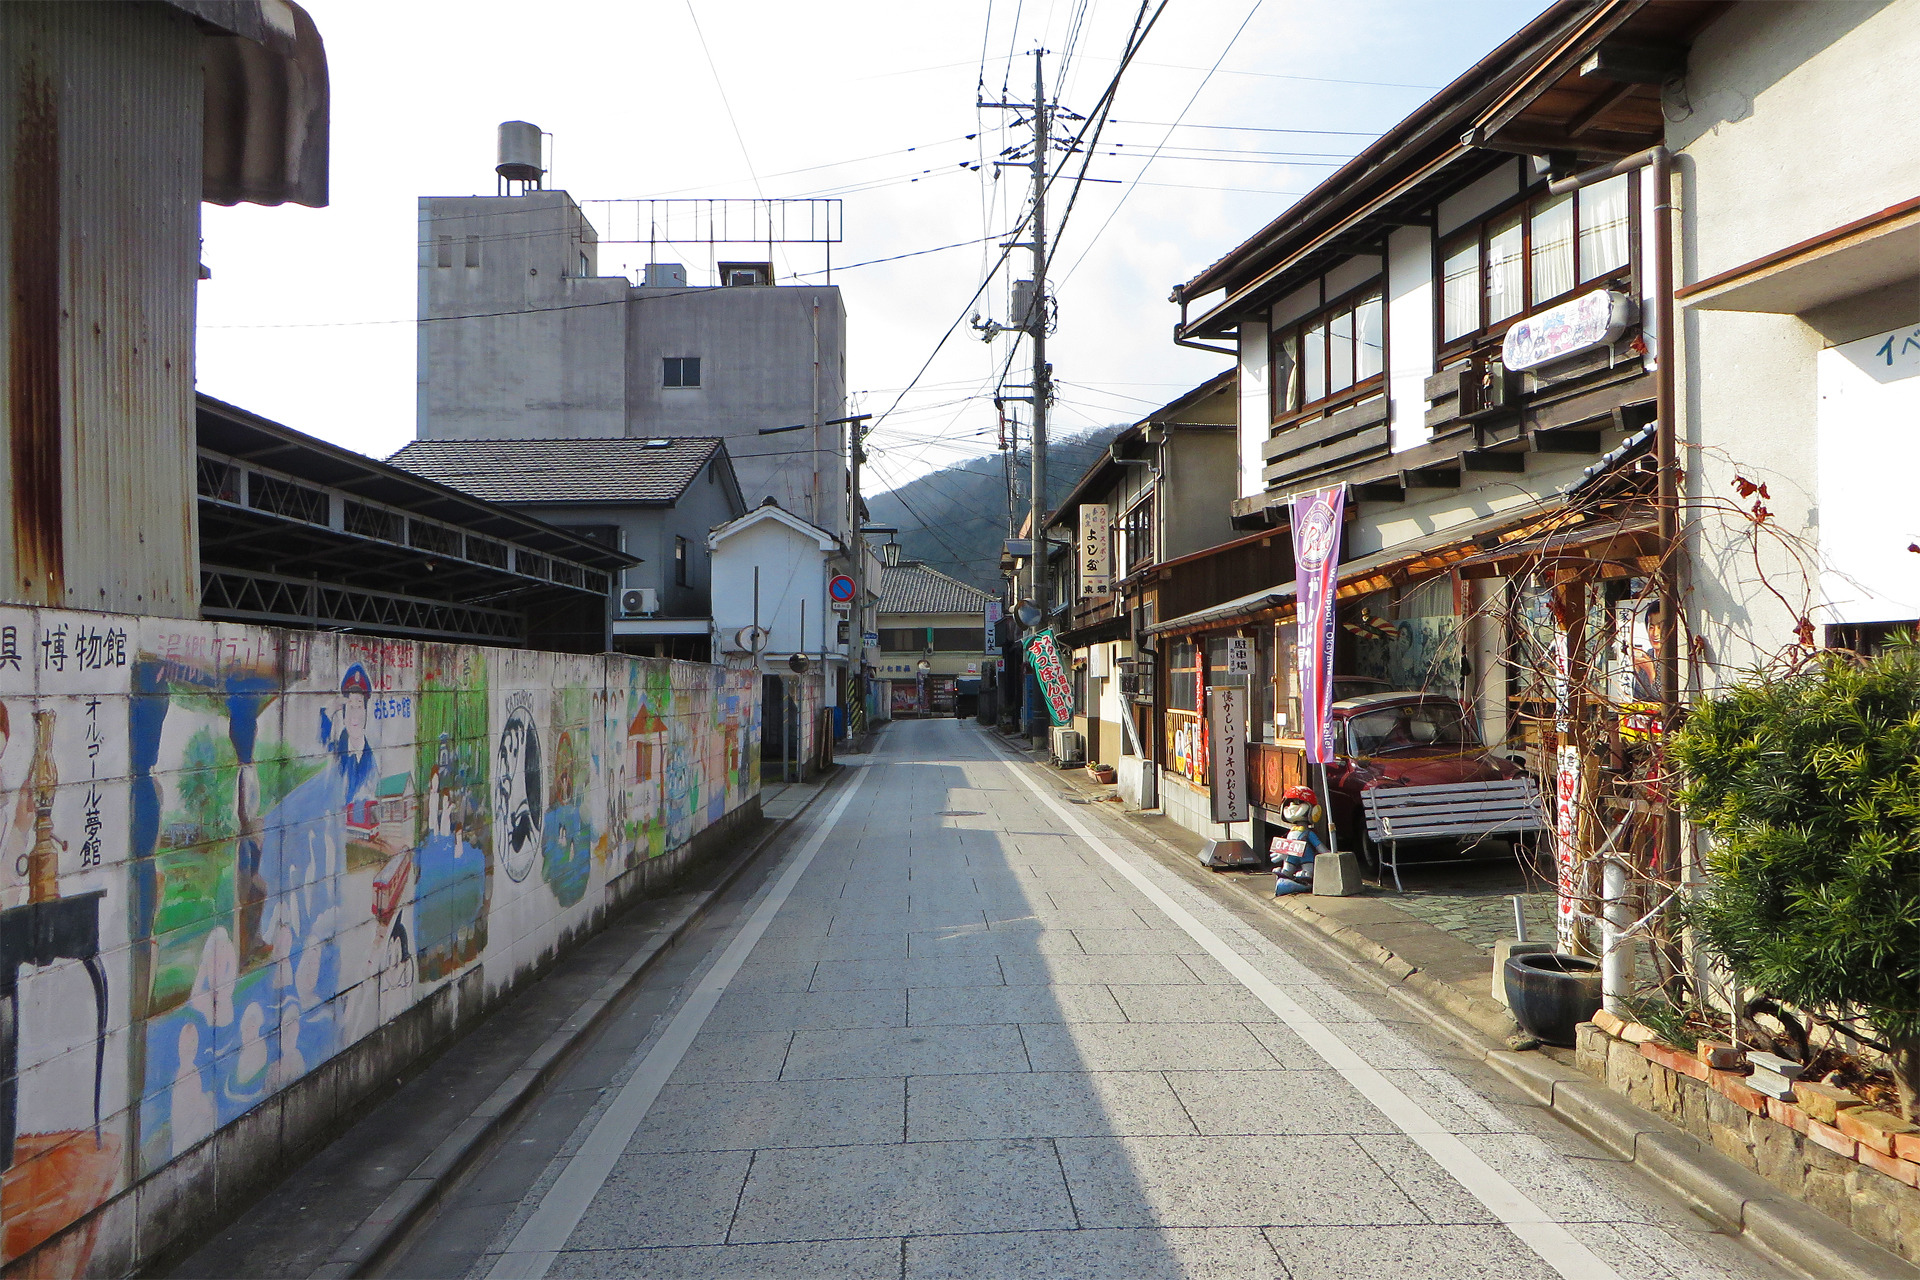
519 152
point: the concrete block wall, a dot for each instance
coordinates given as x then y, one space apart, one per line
1870 1192
248 875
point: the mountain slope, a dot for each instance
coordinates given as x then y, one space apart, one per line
955 519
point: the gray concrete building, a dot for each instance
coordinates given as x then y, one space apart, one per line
654 498
522 337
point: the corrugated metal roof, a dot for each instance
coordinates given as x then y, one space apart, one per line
914 588
655 471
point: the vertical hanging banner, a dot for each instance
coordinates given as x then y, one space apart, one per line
1044 655
1227 751
1096 559
1317 522
993 623
1566 798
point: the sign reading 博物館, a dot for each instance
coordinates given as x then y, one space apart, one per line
1227 751
1043 653
1317 518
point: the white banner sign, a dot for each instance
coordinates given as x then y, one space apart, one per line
993 622
1239 656
1096 561
1227 751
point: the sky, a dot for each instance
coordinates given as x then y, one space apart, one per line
1229 112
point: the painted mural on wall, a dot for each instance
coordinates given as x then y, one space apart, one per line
227 853
1422 653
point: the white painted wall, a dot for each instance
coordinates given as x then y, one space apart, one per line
1794 119
1409 332
793 568
1256 408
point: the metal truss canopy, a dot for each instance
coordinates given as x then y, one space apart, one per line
239 596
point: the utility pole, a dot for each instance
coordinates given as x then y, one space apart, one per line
1035 322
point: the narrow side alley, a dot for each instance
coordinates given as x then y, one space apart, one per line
959 1026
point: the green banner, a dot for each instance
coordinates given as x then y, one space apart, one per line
1043 652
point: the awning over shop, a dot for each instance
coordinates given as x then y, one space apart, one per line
1627 539
1472 541
1220 615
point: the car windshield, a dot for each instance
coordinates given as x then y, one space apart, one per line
1407 728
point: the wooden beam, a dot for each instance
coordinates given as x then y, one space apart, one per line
1584 120
1565 441
1629 63
1432 478
1488 460
1379 491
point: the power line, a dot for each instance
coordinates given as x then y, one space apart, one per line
1183 115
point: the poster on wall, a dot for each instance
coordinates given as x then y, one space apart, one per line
1638 626
1317 520
1227 733
1043 652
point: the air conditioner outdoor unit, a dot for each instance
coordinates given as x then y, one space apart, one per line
641 602
1066 747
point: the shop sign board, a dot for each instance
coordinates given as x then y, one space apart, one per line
1594 319
1043 653
1227 751
993 620
1096 556
1239 656
1317 524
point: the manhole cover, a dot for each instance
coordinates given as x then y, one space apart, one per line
958 813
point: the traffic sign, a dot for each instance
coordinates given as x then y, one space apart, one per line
841 588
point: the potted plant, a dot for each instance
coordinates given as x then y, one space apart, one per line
1809 786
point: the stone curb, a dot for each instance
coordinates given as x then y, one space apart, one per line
383 1229
1790 1232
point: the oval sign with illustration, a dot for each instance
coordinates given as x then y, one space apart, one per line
517 789
841 588
1316 534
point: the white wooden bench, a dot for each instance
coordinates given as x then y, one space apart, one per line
1450 811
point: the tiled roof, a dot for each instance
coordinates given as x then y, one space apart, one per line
914 588
571 470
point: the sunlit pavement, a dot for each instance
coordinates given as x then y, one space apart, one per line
957 1026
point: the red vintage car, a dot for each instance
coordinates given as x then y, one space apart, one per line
1401 740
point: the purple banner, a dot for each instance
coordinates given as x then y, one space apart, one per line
1317 522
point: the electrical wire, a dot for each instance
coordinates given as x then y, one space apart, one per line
1198 89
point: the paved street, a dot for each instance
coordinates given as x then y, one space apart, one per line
958 1026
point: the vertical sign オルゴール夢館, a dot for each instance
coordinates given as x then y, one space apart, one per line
1227 751
1317 520
1044 653
1096 559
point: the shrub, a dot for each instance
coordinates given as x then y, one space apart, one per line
1810 789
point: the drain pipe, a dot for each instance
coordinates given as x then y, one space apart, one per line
1659 162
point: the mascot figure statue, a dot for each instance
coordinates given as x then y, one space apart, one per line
1293 853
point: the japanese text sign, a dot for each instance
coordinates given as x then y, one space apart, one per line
1317 521
1044 655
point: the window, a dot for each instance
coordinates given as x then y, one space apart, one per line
1183 677
903 640
444 257
680 576
957 639
681 371
1136 534
1532 255
1342 348
1409 728
473 251
586 268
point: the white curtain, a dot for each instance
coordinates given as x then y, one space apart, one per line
1603 227
1552 248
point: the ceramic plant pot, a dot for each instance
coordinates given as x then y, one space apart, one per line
1551 994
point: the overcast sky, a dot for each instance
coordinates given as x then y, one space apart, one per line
308 318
